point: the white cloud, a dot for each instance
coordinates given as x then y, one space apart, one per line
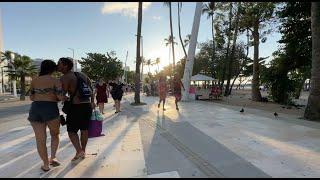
156 17
129 9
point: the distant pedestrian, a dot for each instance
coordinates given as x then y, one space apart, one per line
162 88
101 94
117 93
177 84
46 91
79 87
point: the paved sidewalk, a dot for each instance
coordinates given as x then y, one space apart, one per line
7 97
203 139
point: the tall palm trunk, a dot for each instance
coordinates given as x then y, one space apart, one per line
213 48
242 65
138 57
172 44
231 59
256 95
23 88
312 111
179 24
228 49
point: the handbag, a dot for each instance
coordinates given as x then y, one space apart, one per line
95 125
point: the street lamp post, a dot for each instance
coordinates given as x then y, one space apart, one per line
74 61
2 85
125 70
14 83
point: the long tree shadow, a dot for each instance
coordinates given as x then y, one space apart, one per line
89 172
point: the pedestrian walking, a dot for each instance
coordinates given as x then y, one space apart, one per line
46 91
80 105
101 94
117 93
177 84
162 88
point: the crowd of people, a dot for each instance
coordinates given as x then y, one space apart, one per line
78 93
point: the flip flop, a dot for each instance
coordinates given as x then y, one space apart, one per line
55 163
81 155
44 169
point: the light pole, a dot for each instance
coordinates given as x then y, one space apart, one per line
74 61
2 85
14 83
125 70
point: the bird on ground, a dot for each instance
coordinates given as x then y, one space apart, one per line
275 114
242 110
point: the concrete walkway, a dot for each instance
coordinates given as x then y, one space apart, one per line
203 139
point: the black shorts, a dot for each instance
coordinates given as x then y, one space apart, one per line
79 117
117 96
43 111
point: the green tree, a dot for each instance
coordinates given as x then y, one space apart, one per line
168 41
256 17
312 111
295 28
232 55
97 66
209 9
171 32
23 68
179 26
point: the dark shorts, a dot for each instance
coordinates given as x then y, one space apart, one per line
117 96
79 117
43 111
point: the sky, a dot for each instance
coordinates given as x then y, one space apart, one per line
48 29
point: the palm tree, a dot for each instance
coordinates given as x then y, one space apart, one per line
23 68
187 40
6 56
179 24
312 111
148 63
233 49
168 41
209 9
138 57
157 62
171 30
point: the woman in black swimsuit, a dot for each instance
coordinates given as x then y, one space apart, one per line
116 93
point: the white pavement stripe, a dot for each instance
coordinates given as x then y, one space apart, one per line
22 174
27 154
171 174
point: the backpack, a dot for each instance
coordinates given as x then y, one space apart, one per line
83 88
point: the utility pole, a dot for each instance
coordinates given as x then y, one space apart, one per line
191 51
74 61
125 68
142 60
